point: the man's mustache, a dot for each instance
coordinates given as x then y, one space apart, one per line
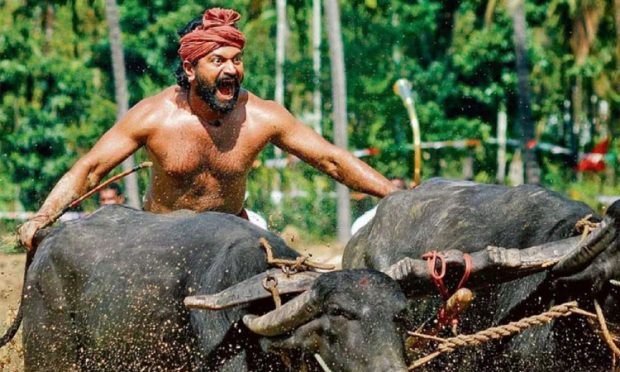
228 80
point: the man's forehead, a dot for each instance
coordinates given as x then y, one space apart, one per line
226 52
107 192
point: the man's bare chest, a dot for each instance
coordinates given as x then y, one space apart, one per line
191 150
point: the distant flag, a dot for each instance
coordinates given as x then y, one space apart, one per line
594 161
531 144
371 151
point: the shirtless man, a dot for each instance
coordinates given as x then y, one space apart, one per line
203 135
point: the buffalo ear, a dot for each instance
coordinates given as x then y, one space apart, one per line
253 289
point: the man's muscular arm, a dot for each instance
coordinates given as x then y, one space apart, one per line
120 141
303 142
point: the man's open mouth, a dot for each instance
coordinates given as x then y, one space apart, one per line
226 88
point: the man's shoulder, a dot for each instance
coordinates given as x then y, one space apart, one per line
172 97
257 103
265 110
163 104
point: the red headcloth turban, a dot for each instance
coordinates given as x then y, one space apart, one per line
218 29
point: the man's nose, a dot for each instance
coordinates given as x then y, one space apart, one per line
229 68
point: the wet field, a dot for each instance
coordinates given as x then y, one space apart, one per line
11 277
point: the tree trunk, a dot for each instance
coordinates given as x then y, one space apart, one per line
488 13
339 94
524 118
120 93
316 64
280 50
49 27
584 30
281 28
502 127
615 122
617 18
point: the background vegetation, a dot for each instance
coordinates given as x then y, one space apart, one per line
57 94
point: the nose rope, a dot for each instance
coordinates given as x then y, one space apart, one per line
437 277
432 258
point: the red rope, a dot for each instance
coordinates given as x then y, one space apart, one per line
437 277
431 259
466 273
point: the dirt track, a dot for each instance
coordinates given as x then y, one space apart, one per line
11 277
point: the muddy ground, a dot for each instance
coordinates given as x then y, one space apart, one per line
11 277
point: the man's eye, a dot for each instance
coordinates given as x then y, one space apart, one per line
217 61
237 60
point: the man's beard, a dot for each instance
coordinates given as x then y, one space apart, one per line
208 91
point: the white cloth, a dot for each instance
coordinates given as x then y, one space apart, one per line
256 219
70 216
363 220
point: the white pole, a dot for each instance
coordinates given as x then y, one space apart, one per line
502 127
316 64
121 94
339 94
279 92
280 49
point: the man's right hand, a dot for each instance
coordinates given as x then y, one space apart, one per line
27 230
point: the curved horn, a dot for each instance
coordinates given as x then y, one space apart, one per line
591 247
603 236
498 265
297 311
252 289
406 267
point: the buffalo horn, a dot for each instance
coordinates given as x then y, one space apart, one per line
252 289
406 267
603 236
594 244
292 314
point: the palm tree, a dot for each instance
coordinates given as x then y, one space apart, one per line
524 118
584 29
339 94
120 92
316 63
617 18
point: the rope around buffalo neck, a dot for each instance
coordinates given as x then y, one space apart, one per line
449 345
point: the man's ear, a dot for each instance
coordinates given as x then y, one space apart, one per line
188 67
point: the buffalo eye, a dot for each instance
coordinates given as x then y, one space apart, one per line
335 310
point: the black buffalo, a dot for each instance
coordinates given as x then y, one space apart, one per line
107 293
453 215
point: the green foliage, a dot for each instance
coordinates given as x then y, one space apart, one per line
57 89
47 119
